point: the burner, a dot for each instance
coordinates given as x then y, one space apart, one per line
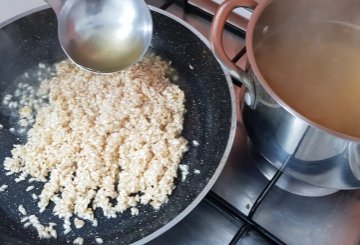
286 182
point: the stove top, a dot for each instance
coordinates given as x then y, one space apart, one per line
248 204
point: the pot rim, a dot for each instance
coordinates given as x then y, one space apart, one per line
256 70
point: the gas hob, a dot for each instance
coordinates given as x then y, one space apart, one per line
252 202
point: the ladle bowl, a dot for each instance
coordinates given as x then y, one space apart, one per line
103 36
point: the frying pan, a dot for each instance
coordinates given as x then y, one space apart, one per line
31 38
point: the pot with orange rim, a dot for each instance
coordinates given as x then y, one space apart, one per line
302 88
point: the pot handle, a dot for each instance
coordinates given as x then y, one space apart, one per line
216 43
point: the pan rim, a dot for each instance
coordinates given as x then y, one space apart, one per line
232 131
23 14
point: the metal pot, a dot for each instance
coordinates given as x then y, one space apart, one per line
301 147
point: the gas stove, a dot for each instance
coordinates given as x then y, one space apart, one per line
252 202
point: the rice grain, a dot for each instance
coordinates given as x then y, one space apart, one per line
22 210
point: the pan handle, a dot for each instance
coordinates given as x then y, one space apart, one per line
216 42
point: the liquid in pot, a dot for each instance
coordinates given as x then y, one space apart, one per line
316 71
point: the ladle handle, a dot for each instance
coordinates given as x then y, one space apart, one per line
56 5
216 42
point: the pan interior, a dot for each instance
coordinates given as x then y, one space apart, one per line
33 39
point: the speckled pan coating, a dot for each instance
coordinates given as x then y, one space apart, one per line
210 120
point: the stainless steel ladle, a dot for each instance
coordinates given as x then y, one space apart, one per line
103 35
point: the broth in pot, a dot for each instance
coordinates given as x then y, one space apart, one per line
316 71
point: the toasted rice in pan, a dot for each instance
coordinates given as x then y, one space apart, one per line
108 141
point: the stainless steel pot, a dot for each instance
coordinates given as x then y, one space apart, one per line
302 148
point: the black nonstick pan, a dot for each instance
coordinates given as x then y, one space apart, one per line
31 39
